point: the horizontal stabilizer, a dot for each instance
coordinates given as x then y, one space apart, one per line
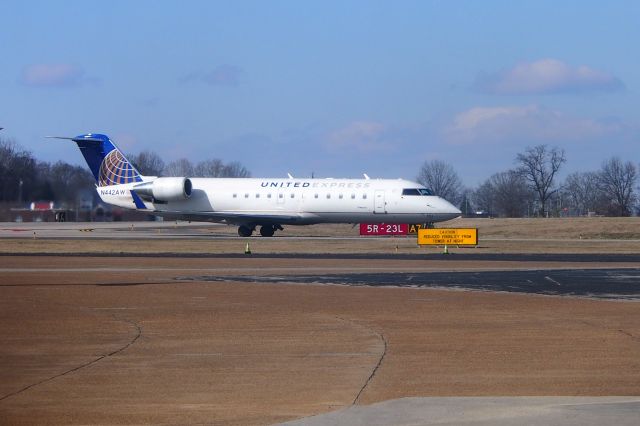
76 139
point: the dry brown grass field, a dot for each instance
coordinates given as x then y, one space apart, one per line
122 341
130 340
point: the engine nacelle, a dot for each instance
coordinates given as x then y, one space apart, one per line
166 189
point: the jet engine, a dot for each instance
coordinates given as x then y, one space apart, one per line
166 189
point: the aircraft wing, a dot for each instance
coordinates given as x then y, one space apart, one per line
237 217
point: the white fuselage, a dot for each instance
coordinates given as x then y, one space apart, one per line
295 201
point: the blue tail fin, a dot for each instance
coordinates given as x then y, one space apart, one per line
108 165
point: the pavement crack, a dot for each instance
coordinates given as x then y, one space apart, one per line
86 364
626 333
378 364
614 330
375 370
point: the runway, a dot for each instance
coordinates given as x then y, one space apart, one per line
197 239
180 336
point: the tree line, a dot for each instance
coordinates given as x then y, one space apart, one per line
23 178
531 188
149 163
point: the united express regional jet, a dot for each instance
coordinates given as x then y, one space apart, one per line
265 203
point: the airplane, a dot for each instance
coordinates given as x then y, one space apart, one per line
249 203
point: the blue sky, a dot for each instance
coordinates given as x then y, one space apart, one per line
336 88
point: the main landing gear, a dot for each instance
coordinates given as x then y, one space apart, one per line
245 231
265 230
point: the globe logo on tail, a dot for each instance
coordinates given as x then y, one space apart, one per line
116 170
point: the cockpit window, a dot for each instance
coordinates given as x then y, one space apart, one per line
416 191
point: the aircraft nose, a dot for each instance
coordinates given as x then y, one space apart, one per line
449 209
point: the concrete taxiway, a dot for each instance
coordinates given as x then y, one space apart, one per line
531 411
218 231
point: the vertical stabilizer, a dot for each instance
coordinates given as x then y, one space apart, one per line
108 165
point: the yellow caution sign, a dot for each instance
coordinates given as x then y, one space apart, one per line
450 236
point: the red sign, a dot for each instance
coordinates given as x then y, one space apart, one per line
384 229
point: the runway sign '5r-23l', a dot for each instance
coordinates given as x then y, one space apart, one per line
384 229
451 236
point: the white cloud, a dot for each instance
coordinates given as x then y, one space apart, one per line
364 136
52 75
529 123
547 76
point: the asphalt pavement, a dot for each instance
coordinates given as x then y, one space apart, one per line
596 283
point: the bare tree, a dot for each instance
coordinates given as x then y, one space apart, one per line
617 179
539 165
512 194
17 172
209 168
181 167
466 201
236 170
148 163
484 198
504 194
67 181
583 192
216 168
442 179
206 168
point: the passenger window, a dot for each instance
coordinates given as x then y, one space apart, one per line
268 195
340 196
292 195
235 195
315 196
257 195
364 196
246 195
353 196
328 196
280 195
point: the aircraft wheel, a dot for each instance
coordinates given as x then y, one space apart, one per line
245 231
267 230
